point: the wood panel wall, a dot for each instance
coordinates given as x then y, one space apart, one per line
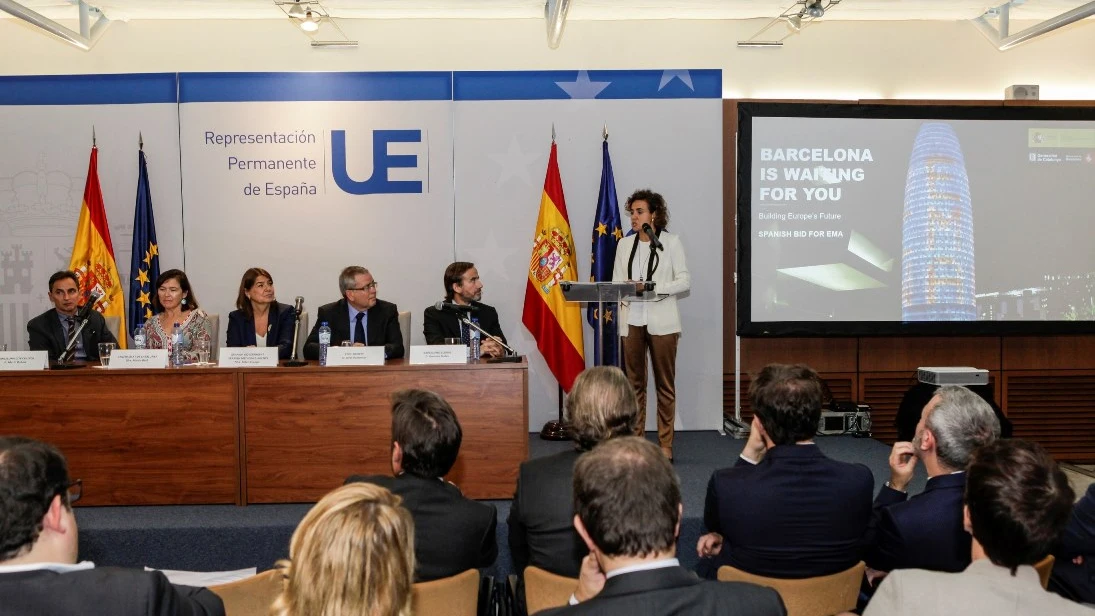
1045 384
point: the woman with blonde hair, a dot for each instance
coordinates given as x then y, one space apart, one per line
353 553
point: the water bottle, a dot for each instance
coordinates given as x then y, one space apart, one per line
176 346
324 342
473 338
139 337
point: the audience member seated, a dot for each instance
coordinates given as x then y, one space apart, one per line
352 554
785 510
358 317
38 549
926 531
628 504
601 405
1074 569
454 533
918 396
51 330
1017 504
260 320
463 287
173 303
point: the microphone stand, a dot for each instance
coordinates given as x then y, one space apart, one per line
510 357
294 361
71 346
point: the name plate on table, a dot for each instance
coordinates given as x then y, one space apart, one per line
24 360
248 357
355 356
137 358
439 354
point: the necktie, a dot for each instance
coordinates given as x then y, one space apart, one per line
359 329
463 333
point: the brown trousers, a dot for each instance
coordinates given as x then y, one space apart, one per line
663 358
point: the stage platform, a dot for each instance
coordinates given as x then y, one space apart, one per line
223 537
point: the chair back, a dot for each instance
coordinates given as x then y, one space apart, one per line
213 326
544 589
113 325
816 596
1044 567
452 596
251 596
405 329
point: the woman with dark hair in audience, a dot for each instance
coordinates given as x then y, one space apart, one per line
353 553
260 319
174 302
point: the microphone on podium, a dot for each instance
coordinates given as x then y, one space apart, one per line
455 307
298 308
654 241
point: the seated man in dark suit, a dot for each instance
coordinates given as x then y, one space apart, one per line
1074 569
926 531
51 330
786 510
451 533
1017 503
358 317
38 550
463 287
628 504
601 405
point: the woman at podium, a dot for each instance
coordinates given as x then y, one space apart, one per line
260 320
654 255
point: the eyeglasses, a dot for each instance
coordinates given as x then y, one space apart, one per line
75 490
368 287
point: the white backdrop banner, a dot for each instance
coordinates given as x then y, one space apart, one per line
46 124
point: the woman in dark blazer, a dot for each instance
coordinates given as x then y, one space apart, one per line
260 320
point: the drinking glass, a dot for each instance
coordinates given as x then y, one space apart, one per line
105 348
201 347
346 343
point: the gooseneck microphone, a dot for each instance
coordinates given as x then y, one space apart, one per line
654 241
298 308
455 307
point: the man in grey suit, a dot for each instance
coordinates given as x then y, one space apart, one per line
628 504
38 548
51 330
1017 504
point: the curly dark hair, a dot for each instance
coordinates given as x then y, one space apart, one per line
787 401
656 204
31 474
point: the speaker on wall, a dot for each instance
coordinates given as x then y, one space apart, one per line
1021 93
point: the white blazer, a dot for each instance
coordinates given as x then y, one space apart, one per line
671 278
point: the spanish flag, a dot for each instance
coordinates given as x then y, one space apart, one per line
555 323
93 254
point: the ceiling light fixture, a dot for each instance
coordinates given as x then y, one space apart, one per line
296 10
814 8
310 23
797 16
313 18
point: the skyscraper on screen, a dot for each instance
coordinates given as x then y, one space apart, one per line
937 264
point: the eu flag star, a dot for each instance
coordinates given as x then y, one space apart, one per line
153 249
619 234
142 277
608 316
143 298
601 229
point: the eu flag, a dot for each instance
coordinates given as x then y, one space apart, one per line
606 234
144 267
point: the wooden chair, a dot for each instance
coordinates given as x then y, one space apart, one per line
251 596
544 589
1044 567
816 596
452 596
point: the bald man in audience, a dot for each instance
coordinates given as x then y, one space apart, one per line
38 550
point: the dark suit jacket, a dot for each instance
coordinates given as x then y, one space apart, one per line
102 590
1077 582
382 328
676 591
279 331
541 517
46 334
922 532
440 324
797 514
451 533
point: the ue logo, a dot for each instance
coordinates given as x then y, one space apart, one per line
378 183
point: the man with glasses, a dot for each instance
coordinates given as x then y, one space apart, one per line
38 550
358 317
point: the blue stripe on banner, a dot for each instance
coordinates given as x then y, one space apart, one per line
127 89
547 85
243 87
